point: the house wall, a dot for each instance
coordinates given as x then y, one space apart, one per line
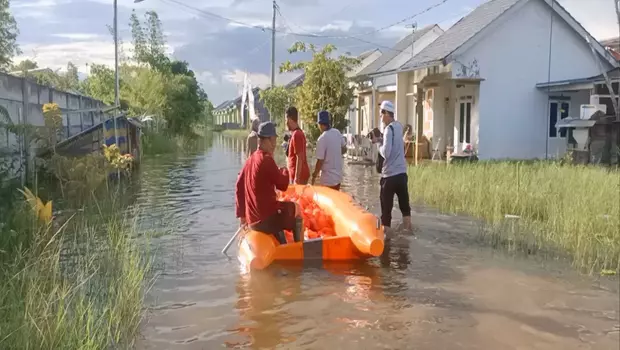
513 56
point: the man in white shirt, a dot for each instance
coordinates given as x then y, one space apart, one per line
329 150
394 180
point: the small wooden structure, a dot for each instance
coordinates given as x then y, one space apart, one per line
92 139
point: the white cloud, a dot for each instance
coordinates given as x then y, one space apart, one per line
34 4
344 26
56 56
77 36
207 78
597 16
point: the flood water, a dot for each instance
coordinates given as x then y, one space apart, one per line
437 290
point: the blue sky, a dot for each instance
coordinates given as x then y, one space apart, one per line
54 32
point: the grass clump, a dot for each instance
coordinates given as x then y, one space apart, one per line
237 133
156 143
79 285
575 209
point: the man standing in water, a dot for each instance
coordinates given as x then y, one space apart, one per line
394 171
297 162
329 150
255 197
252 141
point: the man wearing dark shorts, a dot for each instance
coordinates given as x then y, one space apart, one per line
255 196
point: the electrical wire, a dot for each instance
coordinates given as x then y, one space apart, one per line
307 35
405 19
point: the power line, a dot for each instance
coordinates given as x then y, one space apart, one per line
306 35
406 19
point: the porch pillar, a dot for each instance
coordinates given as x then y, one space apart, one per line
401 97
418 119
373 105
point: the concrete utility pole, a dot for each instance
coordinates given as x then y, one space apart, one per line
413 27
273 46
117 100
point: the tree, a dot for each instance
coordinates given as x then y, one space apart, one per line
100 83
145 91
276 100
184 105
149 41
326 85
24 66
8 36
70 79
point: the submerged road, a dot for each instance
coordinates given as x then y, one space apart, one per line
440 290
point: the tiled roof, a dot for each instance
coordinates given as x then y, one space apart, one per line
389 55
460 32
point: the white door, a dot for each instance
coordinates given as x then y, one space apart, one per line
462 124
558 110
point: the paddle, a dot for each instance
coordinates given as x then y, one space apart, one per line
231 240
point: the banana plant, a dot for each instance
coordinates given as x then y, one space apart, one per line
42 211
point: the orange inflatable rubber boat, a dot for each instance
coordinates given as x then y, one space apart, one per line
354 233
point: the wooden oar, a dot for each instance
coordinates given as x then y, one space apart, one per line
231 240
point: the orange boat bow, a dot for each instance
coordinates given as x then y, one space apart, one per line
359 234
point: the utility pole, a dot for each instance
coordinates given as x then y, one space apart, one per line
117 100
416 98
273 46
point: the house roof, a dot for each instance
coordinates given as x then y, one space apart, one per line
296 81
472 24
614 43
613 74
221 105
462 31
402 45
614 53
364 55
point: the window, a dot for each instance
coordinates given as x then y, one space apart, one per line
558 110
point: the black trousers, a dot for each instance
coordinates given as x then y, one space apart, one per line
390 186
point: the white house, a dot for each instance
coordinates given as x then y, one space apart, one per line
477 82
365 59
372 90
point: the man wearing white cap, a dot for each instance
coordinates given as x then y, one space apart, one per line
394 169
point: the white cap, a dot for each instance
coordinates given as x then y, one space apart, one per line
387 106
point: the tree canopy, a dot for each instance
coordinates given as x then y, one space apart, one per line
8 36
151 83
276 99
326 85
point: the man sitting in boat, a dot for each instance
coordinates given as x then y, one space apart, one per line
255 196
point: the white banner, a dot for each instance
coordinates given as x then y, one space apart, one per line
243 94
251 102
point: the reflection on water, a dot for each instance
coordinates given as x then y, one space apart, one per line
434 292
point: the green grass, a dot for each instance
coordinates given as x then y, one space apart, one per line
156 143
237 133
80 285
570 210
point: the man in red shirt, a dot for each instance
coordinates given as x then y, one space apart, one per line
255 196
299 172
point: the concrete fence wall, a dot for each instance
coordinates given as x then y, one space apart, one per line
24 100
